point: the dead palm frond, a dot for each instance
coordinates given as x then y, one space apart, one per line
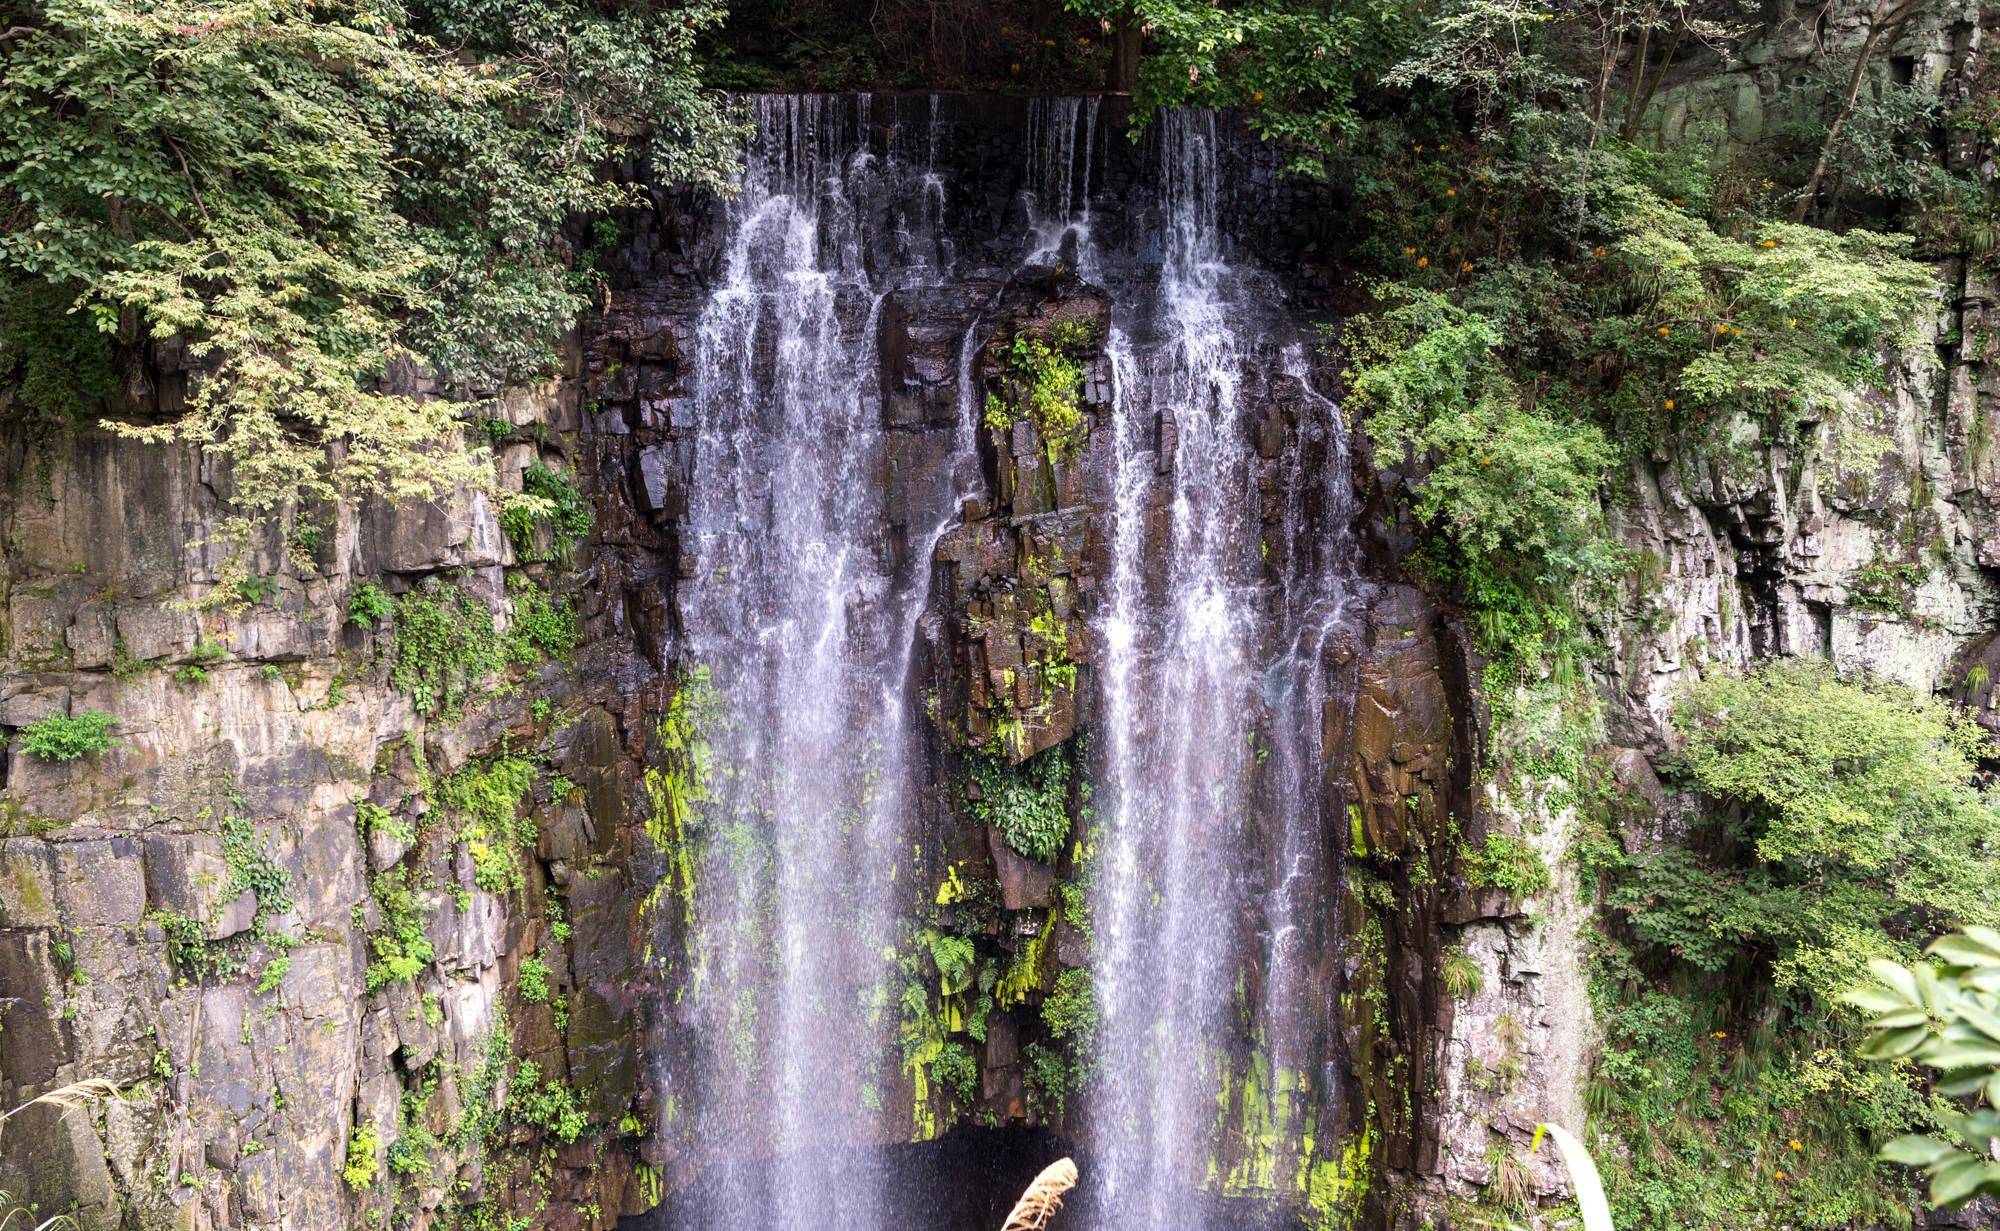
1043 1198
68 1098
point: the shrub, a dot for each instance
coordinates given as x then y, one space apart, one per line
1028 803
370 605
552 501
534 981
68 737
364 1147
1508 863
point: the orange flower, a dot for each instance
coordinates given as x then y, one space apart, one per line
1770 243
1465 268
1256 96
1409 252
1013 68
1048 42
1670 403
1664 331
1423 262
1794 1143
1722 329
1597 252
1722 1034
1451 192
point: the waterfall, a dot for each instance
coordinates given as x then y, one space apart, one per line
1213 888
797 612
1218 518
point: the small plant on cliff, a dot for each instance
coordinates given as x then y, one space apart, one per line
549 500
534 981
1508 863
543 624
401 948
1042 381
370 606
548 1106
68 737
485 802
364 1157
1028 803
445 647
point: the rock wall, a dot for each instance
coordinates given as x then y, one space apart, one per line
194 912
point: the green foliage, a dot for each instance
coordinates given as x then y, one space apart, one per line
1460 975
541 624
957 1072
1069 1011
1052 1078
549 1107
1946 1017
484 802
307 193
1850 820
68 737
370 606
1705 1117
401 948
1881 585
252 869
549 500
56 361
1507 862
1028 803
1299 68
445 647
364 1157
1042 381
1849 784
534 981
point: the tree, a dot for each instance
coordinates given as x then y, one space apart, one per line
307 194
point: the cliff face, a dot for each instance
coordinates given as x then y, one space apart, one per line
194 913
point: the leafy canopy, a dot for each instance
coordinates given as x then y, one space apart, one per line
310 195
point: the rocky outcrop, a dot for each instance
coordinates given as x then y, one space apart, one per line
205 911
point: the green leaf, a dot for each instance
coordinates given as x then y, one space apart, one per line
1914 1151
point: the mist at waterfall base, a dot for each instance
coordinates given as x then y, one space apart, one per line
806 611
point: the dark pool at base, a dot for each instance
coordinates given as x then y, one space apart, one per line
966 1180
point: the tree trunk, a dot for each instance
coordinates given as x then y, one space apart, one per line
1882 22
1125 47
1638 112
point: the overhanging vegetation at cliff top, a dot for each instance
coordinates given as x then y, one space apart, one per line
308 195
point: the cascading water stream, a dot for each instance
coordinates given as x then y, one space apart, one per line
1213 864
795 612
1215 618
